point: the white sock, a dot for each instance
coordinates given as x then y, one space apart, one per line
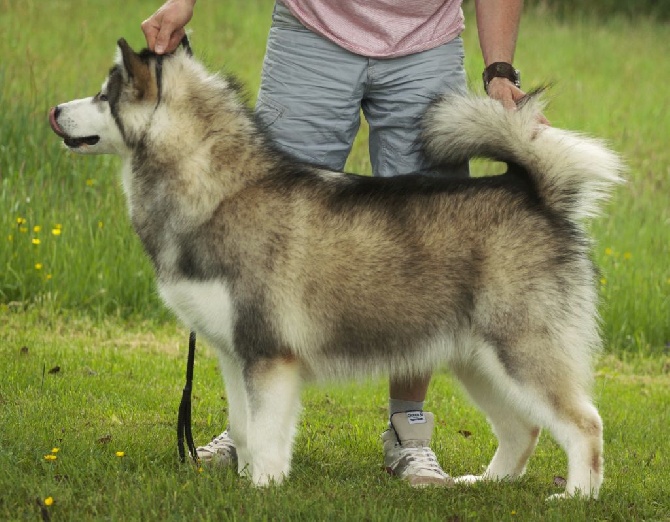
399 405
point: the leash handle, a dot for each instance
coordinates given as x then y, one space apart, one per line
184 417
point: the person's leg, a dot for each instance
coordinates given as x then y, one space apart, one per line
399 93
407 394
310 93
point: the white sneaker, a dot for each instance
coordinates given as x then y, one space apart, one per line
220 451
407 454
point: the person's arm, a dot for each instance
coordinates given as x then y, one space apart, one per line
165 28
498 27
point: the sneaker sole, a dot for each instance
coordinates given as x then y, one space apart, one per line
424 482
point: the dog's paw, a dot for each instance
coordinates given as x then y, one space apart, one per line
557 496
265 480
578 493
469 479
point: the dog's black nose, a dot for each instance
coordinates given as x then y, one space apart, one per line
56 111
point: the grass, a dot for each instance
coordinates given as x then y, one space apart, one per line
77 292
117 390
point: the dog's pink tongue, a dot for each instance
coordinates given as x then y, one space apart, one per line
54 124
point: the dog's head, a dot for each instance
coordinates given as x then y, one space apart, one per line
115 119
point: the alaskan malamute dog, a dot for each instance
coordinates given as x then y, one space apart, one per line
293 272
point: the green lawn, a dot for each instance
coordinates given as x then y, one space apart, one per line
78 293
118 388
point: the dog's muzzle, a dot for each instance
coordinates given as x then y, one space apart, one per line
70 141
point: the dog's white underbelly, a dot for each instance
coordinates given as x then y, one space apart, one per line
206 307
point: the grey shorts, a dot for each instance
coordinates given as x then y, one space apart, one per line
312 92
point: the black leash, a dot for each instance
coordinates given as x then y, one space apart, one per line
184 419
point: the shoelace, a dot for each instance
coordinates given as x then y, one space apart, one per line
422 457
220 443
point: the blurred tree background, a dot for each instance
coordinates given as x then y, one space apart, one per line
655 9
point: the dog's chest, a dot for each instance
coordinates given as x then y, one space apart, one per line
204 306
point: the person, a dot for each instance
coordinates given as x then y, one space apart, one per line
327 61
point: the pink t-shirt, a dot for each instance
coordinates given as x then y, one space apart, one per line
381 28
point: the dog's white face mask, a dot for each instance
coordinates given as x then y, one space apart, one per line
87 125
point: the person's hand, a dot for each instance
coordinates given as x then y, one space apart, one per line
165 28
508 94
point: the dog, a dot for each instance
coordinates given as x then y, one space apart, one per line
295 273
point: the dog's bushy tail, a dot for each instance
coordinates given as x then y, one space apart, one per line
572 173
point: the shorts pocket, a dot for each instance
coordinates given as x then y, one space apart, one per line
268 111
282 18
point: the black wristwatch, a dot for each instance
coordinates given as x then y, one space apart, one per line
501 70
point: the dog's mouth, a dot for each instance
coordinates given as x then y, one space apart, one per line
70 141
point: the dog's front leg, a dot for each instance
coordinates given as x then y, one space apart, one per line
236 393
273 392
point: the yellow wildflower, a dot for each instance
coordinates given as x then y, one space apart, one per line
608 251
603 281
50 457
627 255
120 454
20 221
23 230
48 276
100 224
36 241
55 450
48 501
38 266
10 237
56 231
37 228
90 182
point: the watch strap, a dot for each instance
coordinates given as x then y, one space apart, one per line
501 70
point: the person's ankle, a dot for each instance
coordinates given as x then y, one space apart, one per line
400 405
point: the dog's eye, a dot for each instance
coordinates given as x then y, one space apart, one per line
101 97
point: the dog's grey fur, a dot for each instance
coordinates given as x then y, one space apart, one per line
293 272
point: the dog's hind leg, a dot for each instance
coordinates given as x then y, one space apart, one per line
577 427
273 391
517 435
543 386
553 381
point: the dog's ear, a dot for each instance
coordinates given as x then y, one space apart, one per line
129 58
137 72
